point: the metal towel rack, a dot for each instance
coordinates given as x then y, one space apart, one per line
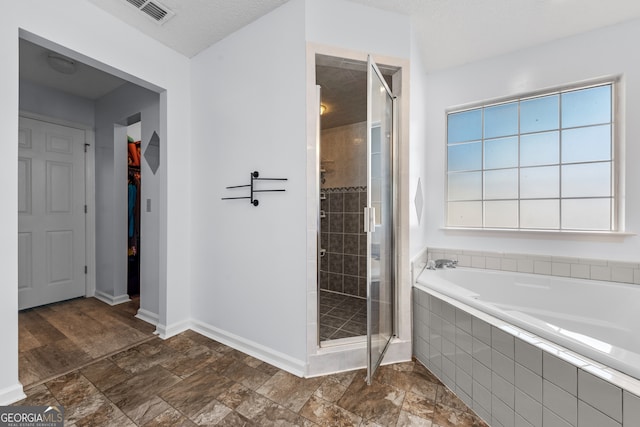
254 176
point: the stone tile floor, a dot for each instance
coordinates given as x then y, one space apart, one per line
58 338
342 316
192 380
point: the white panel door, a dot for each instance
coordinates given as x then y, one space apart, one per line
51 224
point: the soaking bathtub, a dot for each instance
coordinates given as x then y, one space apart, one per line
586 332
600 320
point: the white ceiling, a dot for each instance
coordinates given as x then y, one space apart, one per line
454 32
86 82
450 32
197 24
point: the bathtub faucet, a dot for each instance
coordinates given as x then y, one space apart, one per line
445 263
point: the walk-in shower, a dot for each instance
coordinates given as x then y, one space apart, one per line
354 177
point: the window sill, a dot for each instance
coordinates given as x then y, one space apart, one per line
551 233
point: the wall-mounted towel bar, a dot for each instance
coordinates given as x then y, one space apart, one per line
254 176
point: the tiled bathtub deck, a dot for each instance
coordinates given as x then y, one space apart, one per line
512 378
192 380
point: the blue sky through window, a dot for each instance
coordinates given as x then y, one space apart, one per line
535 152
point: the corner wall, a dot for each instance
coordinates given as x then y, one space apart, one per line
111 197
248 262
418 178
252 271
604 52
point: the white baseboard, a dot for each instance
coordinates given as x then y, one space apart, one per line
167 331
11 394
148 316
110 299
343 358
259 351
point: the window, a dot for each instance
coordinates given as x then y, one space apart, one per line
541 162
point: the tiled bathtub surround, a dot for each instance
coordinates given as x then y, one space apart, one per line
579 268
343 266
511 378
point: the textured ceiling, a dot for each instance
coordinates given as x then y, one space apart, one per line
344 90
455 32
449 32
197 24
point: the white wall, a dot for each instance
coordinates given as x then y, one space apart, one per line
605 52
54 103
250 269
356 27
95 37
345 29
248 280
111 195
418 151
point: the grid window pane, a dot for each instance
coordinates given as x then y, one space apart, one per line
586 144
540 183
464 126
586 107
501 120
539 149
501 184
534 163
586 180
465 214
501 153
586 214
541 214
465 186
539 114
501 214
463 157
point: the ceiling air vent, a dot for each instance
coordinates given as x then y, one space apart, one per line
155 10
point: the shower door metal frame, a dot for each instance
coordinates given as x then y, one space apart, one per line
394 213
369 220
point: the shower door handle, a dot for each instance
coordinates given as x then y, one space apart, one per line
369 220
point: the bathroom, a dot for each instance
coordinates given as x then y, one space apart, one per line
208 158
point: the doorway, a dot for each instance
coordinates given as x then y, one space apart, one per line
134 181
356 254
343 195
77 110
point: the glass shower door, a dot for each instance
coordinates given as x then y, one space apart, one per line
378 218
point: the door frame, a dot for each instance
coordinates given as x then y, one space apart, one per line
330 359
89 193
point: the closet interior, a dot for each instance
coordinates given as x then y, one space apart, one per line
133 153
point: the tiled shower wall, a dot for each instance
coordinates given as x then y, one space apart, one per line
343 266
343 155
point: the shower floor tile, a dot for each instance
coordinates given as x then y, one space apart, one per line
342 316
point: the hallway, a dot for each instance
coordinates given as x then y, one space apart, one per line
58 338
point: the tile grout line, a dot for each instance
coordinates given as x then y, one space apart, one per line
84 365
